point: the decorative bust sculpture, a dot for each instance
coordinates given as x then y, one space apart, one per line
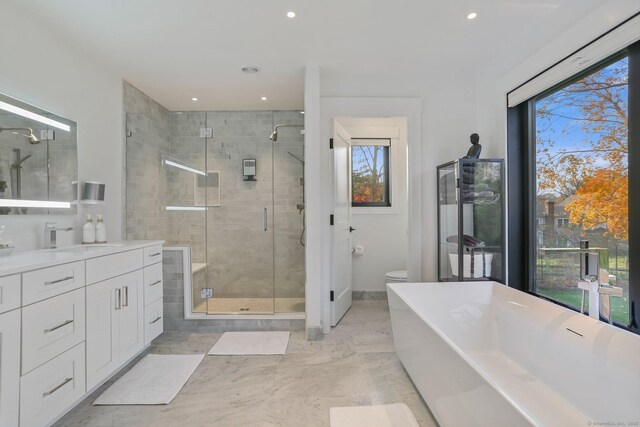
476 148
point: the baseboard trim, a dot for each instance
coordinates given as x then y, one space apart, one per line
369 295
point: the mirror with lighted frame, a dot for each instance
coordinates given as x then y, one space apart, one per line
38 160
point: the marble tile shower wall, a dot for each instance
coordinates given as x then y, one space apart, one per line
148 124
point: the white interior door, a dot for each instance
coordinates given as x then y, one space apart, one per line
341 259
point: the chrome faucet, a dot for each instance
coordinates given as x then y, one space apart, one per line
599 293
50 234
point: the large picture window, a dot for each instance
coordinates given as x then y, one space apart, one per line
582 192
370 178
574 177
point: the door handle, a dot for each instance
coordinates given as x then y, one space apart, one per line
264 219
125 289
351 229
118 299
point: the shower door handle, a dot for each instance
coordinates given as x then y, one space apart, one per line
264 219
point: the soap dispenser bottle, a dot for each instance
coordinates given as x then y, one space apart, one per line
89 231
101 230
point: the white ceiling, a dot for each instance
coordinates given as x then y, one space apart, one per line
177 49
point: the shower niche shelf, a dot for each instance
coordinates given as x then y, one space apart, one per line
198 266
471 220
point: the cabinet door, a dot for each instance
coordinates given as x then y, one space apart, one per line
9 367
103 331
131 322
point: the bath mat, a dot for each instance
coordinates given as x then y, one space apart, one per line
395 415
155 380
247 343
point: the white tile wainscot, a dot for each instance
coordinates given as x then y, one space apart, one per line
71 318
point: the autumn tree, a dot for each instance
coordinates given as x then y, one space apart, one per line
593 169
368 173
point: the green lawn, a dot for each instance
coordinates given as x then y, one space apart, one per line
572 297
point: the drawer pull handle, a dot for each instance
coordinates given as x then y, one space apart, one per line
53 390
155 283
53 282
154 321
156 254
61 325
118 299
126 296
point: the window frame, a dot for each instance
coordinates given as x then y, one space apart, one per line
387 172
521 154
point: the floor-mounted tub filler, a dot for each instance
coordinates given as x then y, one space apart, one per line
482 354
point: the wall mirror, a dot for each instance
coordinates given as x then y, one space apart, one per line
38 160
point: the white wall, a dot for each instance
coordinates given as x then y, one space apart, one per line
508 72
39 68
382 231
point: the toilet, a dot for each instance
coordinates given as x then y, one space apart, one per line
399 276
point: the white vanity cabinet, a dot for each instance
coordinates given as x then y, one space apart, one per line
115 330
71 319
9 367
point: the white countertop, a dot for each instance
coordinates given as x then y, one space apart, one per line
19 262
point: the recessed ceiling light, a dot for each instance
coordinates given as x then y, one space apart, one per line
194 99
250 69
472 15
291 14
264 98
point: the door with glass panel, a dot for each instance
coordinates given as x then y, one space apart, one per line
238 195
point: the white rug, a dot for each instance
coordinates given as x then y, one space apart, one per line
247 343
395 415
155 380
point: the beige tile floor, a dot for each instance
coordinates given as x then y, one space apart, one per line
250 305
354 365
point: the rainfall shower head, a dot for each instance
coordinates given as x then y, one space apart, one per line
274 135
31 137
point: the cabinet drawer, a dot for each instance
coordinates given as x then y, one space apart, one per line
102 268
51 327
49 282
47 392
9 293
152 254
153 321
152 283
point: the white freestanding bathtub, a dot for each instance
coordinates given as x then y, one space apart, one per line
483 354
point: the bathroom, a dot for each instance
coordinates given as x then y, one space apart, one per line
227 227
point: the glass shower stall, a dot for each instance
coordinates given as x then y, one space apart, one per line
217 182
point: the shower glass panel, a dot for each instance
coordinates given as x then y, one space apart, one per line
184 165
240 223
163 154
216 182
289 213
